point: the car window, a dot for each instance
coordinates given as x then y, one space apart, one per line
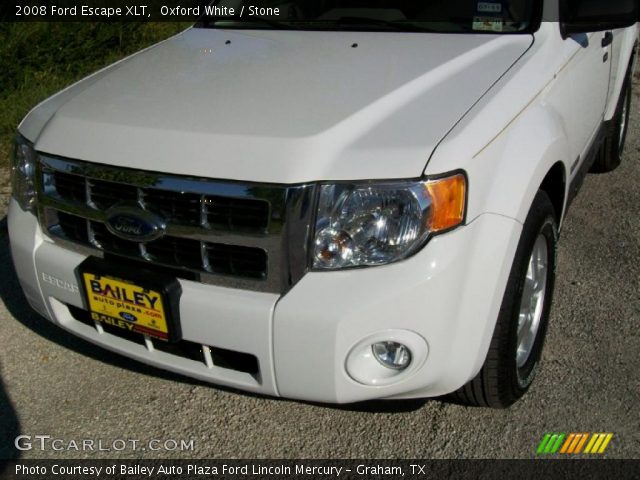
473 16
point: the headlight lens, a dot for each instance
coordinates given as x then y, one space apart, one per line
23 167
376 224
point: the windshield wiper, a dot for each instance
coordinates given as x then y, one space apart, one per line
356 22
209 22
400 26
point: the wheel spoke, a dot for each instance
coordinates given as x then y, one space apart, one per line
524 329
623 123
530 286
532 302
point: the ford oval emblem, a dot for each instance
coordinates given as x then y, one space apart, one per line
129 317
135 224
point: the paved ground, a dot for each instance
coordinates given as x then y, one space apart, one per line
54 384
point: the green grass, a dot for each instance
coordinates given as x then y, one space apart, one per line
39 59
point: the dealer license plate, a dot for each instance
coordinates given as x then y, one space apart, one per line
126 305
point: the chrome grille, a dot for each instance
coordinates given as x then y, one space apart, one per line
180 207
227 233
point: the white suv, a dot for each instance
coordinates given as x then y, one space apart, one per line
334 201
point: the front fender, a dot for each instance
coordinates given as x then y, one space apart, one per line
507 173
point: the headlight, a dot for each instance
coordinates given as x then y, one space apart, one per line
376 224
23 167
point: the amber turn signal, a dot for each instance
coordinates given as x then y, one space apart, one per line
447 202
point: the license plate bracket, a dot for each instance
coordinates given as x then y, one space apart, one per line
138 300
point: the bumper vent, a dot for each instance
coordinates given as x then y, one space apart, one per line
209 356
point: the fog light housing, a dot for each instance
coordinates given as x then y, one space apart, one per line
393 355
386 357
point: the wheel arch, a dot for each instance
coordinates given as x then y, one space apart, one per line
531 155
555 186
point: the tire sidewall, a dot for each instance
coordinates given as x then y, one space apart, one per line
540 222
500 383
526 373
618 143
610 157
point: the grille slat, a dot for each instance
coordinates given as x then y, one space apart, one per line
170 251
224 212
74 228
180 251
70 187
105 195
221 232
184 208
179 208
242 261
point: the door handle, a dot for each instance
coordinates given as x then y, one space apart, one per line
607 39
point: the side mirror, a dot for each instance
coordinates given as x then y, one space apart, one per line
582 16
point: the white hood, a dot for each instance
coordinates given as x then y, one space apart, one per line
277 106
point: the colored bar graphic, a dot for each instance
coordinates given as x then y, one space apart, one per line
550 444
574 443
591 443
558 443
581 443
598 443
567 444
543 444
605 444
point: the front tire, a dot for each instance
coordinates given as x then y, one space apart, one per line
518 339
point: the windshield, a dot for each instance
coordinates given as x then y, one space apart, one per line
446 16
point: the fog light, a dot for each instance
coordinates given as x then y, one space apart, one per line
392 355
386 357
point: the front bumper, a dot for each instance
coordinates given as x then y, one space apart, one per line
448 295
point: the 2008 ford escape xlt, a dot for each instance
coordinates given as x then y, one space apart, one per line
341 201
